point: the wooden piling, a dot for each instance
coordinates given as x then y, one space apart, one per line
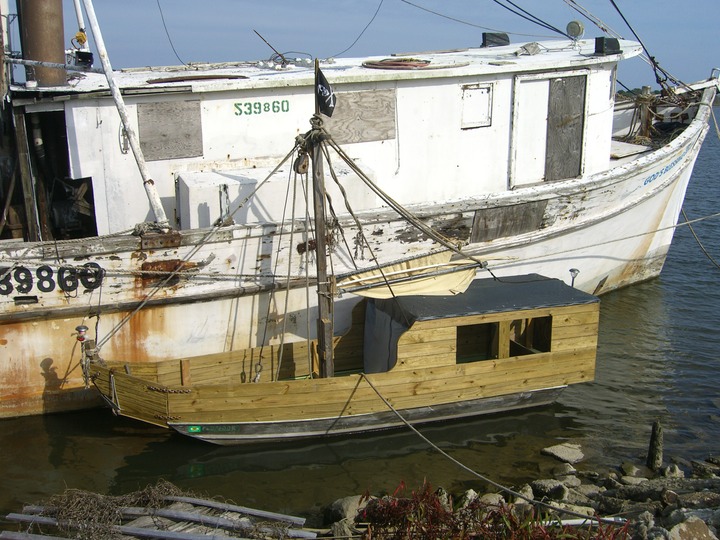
655 450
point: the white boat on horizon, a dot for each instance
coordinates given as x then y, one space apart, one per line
491 161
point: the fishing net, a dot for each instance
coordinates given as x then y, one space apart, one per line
90 516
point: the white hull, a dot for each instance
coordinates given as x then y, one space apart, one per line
614 223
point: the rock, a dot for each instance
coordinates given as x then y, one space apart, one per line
575 509
345 528
658 533
567 452
569 481
629 469
492 499
444 498
575 497
552 489
704 469
669 497
589 490
673 471
714 518
469 496
345 508
701 499
526 492
632 480
692 529
564 469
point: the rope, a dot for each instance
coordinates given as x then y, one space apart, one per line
501 487
688 222
402 212
287 288
187 257
697 239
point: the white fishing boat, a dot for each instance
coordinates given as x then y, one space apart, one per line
161 210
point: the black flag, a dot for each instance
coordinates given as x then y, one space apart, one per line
324 94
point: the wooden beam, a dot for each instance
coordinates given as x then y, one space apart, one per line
26 177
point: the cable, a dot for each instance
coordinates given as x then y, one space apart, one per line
464 22
167 33
530 17
363 30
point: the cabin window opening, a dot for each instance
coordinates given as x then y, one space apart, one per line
476 106
476 342
530 336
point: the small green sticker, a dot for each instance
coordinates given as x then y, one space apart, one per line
194 429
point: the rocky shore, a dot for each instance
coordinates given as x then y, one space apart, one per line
648 501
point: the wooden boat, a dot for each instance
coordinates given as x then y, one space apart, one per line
500 345
520 154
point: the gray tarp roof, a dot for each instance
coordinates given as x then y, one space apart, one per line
484 296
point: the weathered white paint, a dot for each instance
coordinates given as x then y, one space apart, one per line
608 223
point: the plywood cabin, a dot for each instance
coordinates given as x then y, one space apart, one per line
500 345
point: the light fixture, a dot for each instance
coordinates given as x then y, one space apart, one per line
81 331
573 274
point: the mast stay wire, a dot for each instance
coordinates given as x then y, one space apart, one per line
204 240
167 33
467 23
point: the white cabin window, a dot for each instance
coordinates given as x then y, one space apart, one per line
476 106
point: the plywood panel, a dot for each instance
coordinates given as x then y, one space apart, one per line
170 129
363 116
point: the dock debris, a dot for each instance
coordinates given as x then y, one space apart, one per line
160 511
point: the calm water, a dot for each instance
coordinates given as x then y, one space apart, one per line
658 359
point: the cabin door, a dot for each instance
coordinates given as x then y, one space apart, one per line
548 128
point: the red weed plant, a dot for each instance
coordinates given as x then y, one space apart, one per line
428 515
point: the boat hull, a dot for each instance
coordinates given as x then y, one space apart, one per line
615 227
616 230
284 431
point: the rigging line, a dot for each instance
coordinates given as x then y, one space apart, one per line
405 214
474 472
535 19
271 295
294 178
204 240
531 18
347 204
607 242
360 230
167 33
655 64
306 191
464 22
363 30
697 239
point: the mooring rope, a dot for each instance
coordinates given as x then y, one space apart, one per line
482 477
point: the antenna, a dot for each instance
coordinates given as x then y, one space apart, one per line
284 61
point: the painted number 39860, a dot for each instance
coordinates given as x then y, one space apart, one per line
22 280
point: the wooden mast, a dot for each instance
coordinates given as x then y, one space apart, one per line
325 311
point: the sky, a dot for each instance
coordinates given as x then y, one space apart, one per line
682 36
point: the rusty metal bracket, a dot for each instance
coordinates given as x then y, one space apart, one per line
169 239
